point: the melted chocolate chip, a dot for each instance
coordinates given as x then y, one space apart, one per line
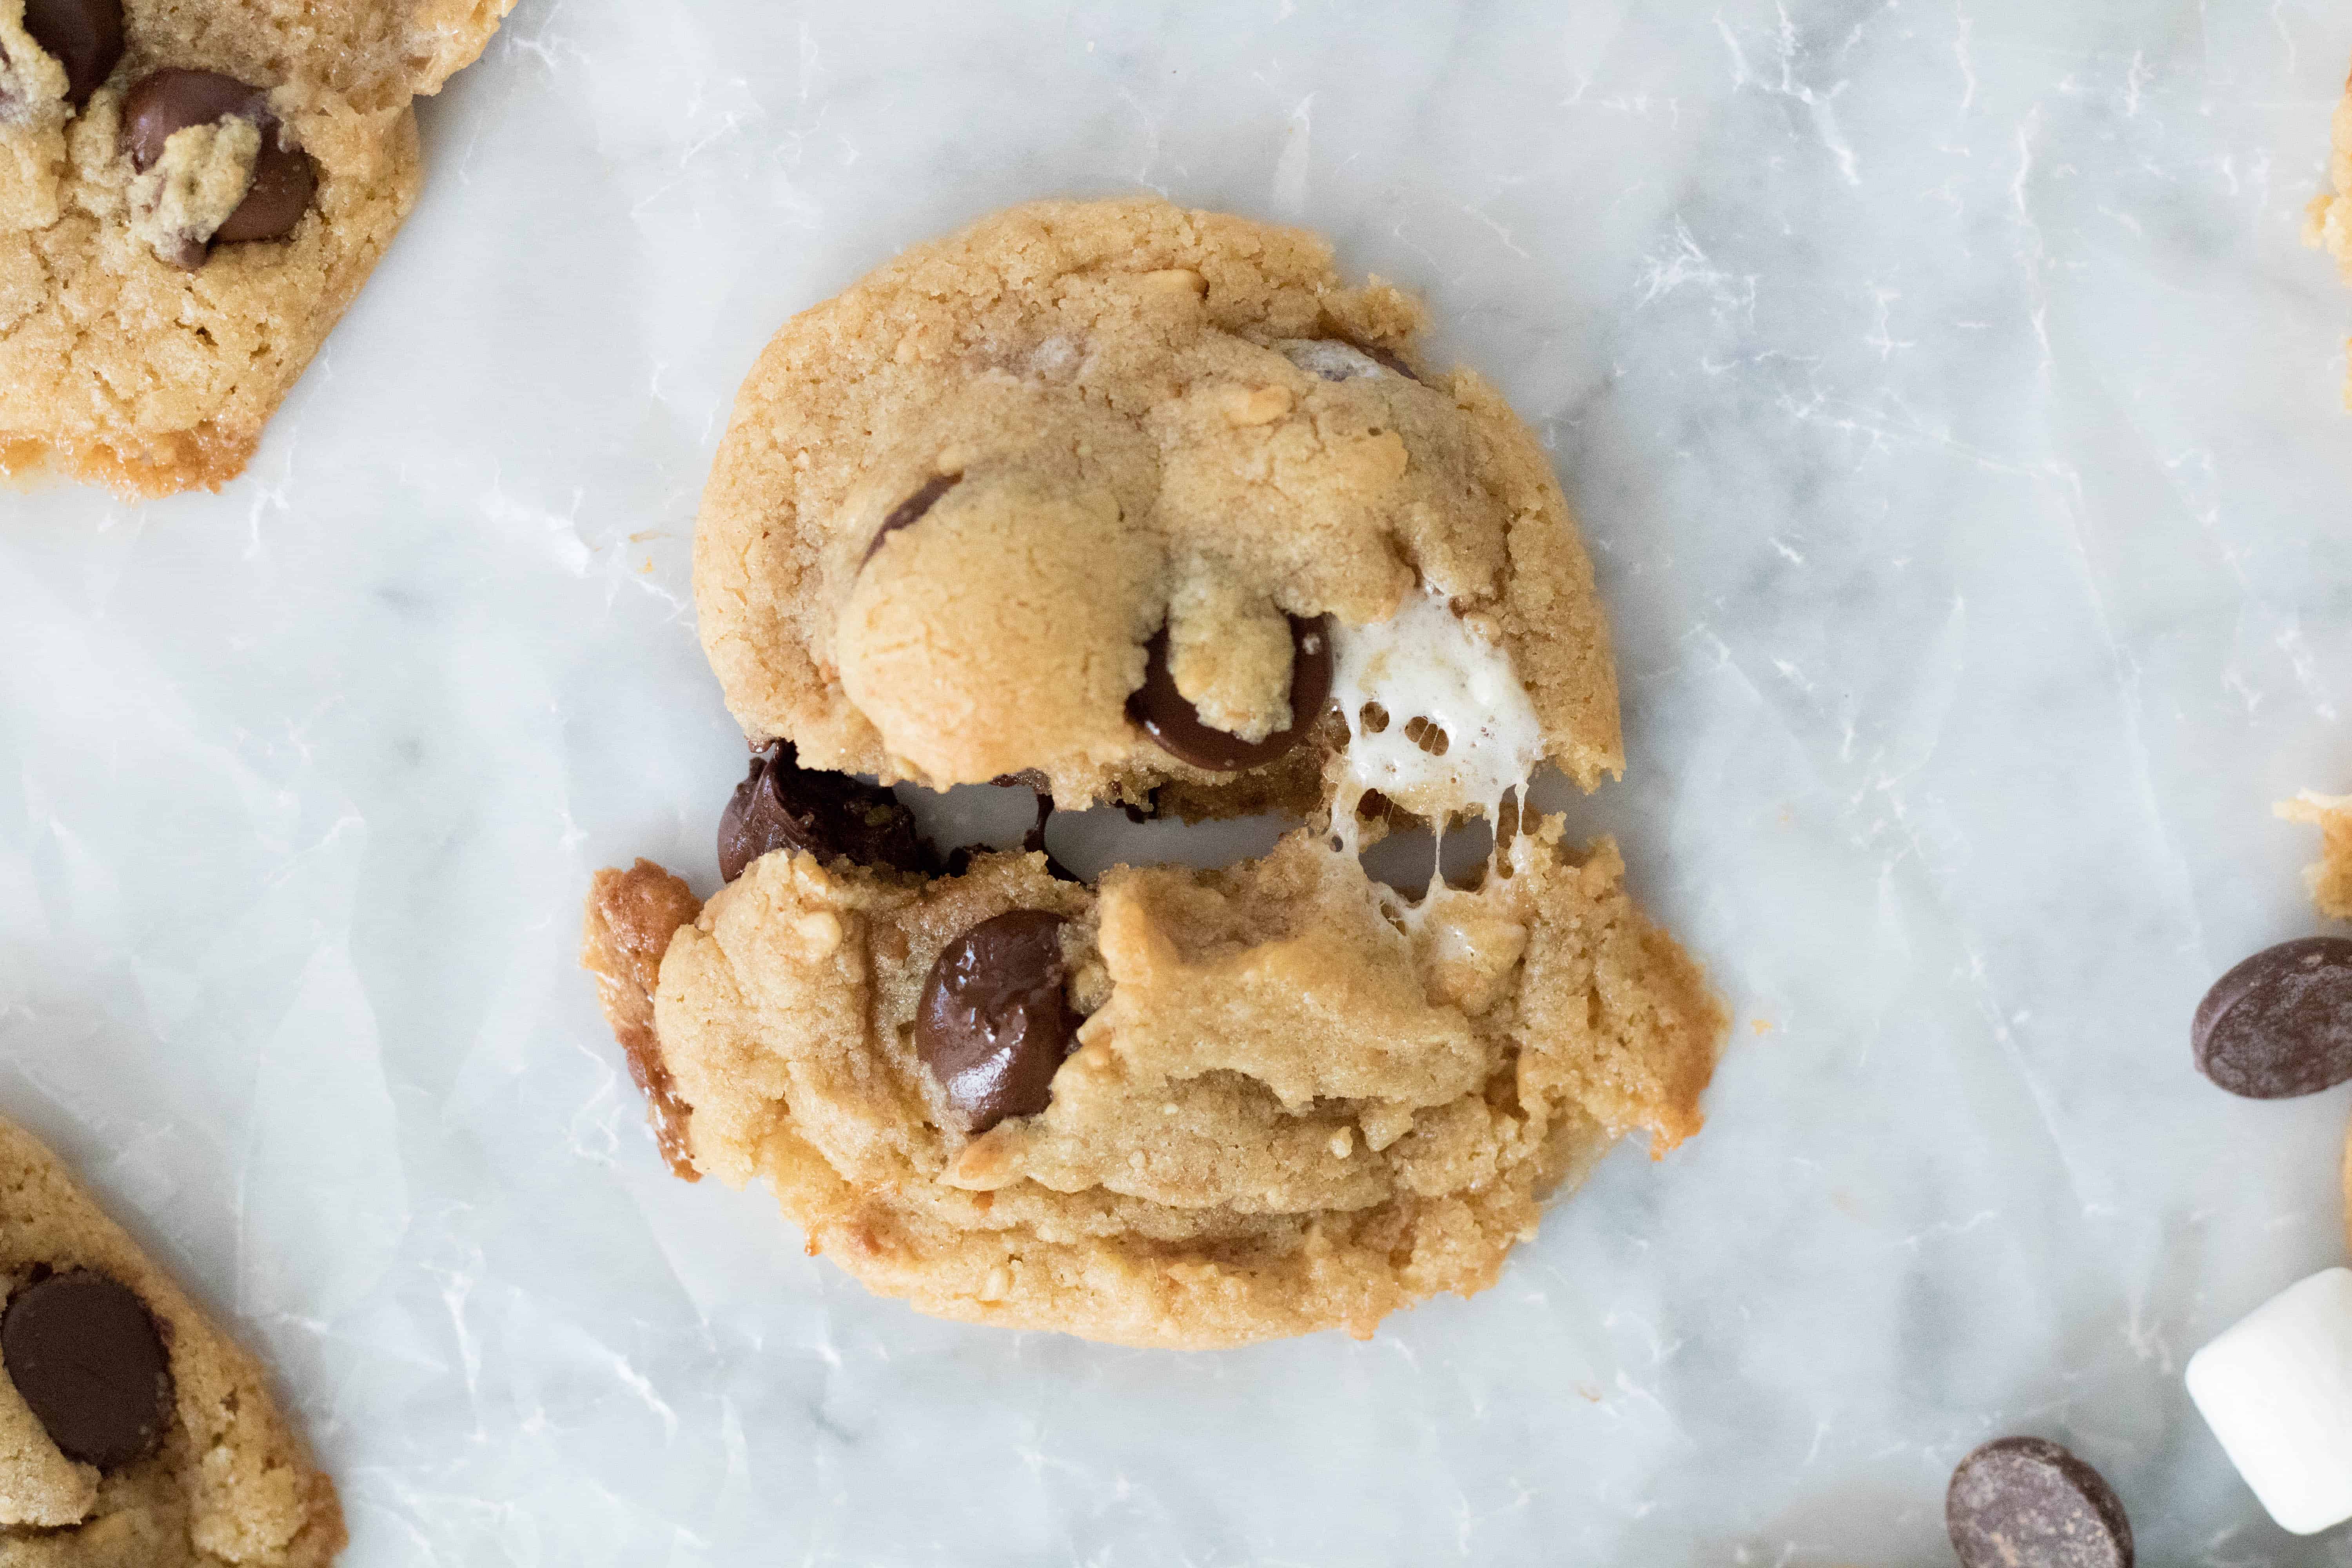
85 36
910 511
172 99
1034 842
2023 1502
84 1351
1166 718
2280 1023
781 805
994 1023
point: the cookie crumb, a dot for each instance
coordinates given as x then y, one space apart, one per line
2329 877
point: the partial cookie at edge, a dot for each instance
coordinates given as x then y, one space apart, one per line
1195 1182
232 1482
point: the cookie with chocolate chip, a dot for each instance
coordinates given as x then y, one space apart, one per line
1112 491
190 196
1143 506
131 1430
1172 1107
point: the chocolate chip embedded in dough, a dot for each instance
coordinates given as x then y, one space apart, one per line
1176 725
781 805
84 36
994 1022
2024 1502
172 99
283 184
2280 1023
84 1351
910 511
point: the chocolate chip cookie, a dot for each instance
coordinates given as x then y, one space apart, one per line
1174 1108
1113 492
1143 506
190 195
131 1431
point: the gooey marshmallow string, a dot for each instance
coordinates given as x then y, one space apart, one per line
1427 663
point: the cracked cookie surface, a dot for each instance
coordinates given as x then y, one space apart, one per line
132 1432
968 509
168 268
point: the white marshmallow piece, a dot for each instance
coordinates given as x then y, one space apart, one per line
2276 1388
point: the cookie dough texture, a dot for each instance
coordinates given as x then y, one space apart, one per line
120 368
231 1482
1288 1110
2327 222
1111 418
2330 876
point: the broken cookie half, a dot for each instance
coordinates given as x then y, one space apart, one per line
131 1430
190 196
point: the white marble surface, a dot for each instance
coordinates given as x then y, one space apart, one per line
1953 414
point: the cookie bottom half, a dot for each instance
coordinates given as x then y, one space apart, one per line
1293 1100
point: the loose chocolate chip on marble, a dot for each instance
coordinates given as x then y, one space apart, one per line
994 1022
781 805
2280 1023
2024 1502
85 36
84 1351
172 99
910 511
1166 718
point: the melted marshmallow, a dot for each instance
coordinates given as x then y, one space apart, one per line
1426 662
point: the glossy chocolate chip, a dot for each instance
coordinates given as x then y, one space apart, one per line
84 36
2280 1023
84 1351
910 510
172 99
1166 718
2023 1502
994 1022
781 805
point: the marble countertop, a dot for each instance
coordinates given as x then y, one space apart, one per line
1954 416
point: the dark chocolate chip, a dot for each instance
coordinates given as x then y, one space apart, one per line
910 511
2280 1023
172 99
781 805
85 36
2023 1502
1166 718
283 184
994 1023
84 1351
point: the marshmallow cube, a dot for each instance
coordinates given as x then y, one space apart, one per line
2276 1388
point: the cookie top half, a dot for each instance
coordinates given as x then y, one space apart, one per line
1112 494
